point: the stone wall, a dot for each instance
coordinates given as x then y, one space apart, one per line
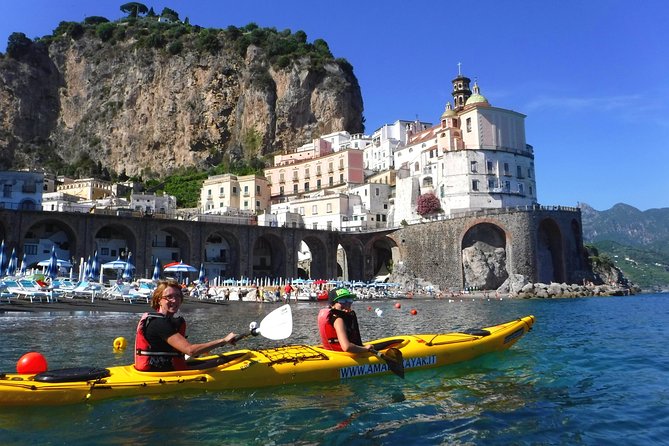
535 239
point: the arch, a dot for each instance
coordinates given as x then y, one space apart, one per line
380 260
484 256
221 255
269 257
114 240
350 259
316 265
28 204
550 253
36 242
169 244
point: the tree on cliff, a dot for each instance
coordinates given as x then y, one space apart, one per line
427 204
133 9
17 45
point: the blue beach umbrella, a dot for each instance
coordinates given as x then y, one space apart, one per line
52 269
24 267
129 268
95 267
202 276
3 259
13 263
156 270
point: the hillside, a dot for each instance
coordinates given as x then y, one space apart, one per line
141 97
637 241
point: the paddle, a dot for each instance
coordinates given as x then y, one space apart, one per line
278 324
392 357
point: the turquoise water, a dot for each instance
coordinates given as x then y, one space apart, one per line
593 371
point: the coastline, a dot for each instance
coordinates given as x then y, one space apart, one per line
101 305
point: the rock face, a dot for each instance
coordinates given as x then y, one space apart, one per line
142 110
484 266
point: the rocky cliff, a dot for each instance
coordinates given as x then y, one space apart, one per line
145 110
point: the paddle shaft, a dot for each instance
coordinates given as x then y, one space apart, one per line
395 365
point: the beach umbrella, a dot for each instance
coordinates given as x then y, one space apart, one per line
3 259
24 267
52 269
156 270
201 277
117 264
95 267
60 263
129 267
180 267
13 263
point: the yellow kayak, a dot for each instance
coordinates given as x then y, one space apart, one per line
292 364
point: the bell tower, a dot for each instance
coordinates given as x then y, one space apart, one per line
461 91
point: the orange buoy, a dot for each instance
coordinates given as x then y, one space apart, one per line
414 312
32 363
398 305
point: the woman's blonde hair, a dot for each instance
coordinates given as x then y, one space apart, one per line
158 292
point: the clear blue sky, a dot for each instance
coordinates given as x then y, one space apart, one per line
592 76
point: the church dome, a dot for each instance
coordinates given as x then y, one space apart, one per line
449 112
477 97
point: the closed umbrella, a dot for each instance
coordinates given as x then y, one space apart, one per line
24 267
13 263
95 267
3 259
52 269
129 268
156 270
202 276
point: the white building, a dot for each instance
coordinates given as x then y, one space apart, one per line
21 190
476 158
150 204
379 155
227 193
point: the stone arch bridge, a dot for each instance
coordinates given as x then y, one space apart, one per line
544 244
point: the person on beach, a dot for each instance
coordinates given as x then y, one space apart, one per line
287 290
160 341
338 324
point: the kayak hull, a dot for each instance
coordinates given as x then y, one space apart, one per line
293 364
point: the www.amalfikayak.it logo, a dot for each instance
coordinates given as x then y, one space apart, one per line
371 369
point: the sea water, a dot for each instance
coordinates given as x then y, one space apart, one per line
593 371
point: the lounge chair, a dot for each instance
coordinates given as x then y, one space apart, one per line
84 289
26 290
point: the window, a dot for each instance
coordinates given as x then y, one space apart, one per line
330 168
281 190
469 125
246 204
328 207
281 178
341 177
257 204
294 174
209 192
519 171
258 189
318 184
30 250
531 193
318 170
521 188
306 186
490 168
234 190
506 169
472 166
529 172
301 212
306 173
475 184
331 181
314 209
376 191
246 190
491 184
442 191
294 188
222 190
507 186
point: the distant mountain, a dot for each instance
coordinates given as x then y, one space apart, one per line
637 241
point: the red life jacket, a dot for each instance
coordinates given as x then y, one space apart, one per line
144 352
329 334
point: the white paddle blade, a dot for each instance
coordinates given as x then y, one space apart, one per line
278 324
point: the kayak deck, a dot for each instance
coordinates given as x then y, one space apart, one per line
292 364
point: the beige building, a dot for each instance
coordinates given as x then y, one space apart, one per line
226 193
86 188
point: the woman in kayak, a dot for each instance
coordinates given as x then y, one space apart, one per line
160 341
338 324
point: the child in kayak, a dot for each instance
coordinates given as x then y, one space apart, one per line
338 324
160 341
